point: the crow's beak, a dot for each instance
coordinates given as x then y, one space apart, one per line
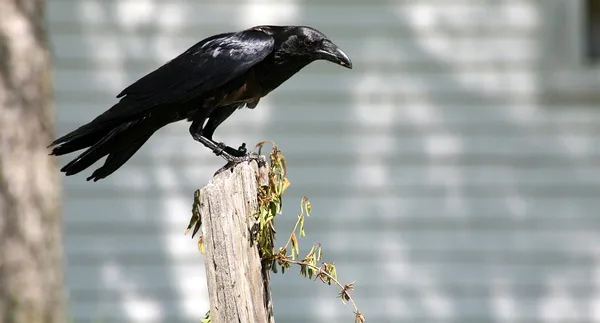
330 52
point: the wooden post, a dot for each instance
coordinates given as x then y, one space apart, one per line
238 287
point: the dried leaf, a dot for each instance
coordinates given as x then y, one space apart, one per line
192 222
285 185
305 206
195 220
319 253
359 317
201 244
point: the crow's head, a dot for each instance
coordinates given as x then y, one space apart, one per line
310 44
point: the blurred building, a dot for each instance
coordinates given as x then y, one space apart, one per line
454 173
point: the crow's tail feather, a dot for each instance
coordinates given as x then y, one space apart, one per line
118 157
78 142
119 143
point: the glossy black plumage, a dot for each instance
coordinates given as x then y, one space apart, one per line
209 81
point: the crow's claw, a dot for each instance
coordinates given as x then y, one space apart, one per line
234 152
234 160
244 158
242 149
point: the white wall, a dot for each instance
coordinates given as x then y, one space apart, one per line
464 198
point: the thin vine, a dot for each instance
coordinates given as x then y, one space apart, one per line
269 206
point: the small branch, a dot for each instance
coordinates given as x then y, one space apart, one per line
344 294
291 235
305 207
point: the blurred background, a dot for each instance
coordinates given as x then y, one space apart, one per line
454 173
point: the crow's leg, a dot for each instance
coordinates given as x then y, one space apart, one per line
224 151
218 148
241 154
204 136
215 119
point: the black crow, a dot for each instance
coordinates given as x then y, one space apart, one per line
209 81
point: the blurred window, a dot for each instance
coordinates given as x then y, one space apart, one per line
571 52
592 31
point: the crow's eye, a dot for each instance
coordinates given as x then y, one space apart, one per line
308 42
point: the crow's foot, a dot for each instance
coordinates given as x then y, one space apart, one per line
242 149
223 150
232 161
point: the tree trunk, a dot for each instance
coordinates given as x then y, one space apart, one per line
30 221
238 288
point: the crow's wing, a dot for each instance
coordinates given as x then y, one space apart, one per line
205 66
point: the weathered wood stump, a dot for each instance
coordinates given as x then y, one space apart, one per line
238 287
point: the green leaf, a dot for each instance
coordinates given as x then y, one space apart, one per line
295 248
193 221
301 224
303 270
206 318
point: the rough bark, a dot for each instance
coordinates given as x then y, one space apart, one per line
30 221
238 288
